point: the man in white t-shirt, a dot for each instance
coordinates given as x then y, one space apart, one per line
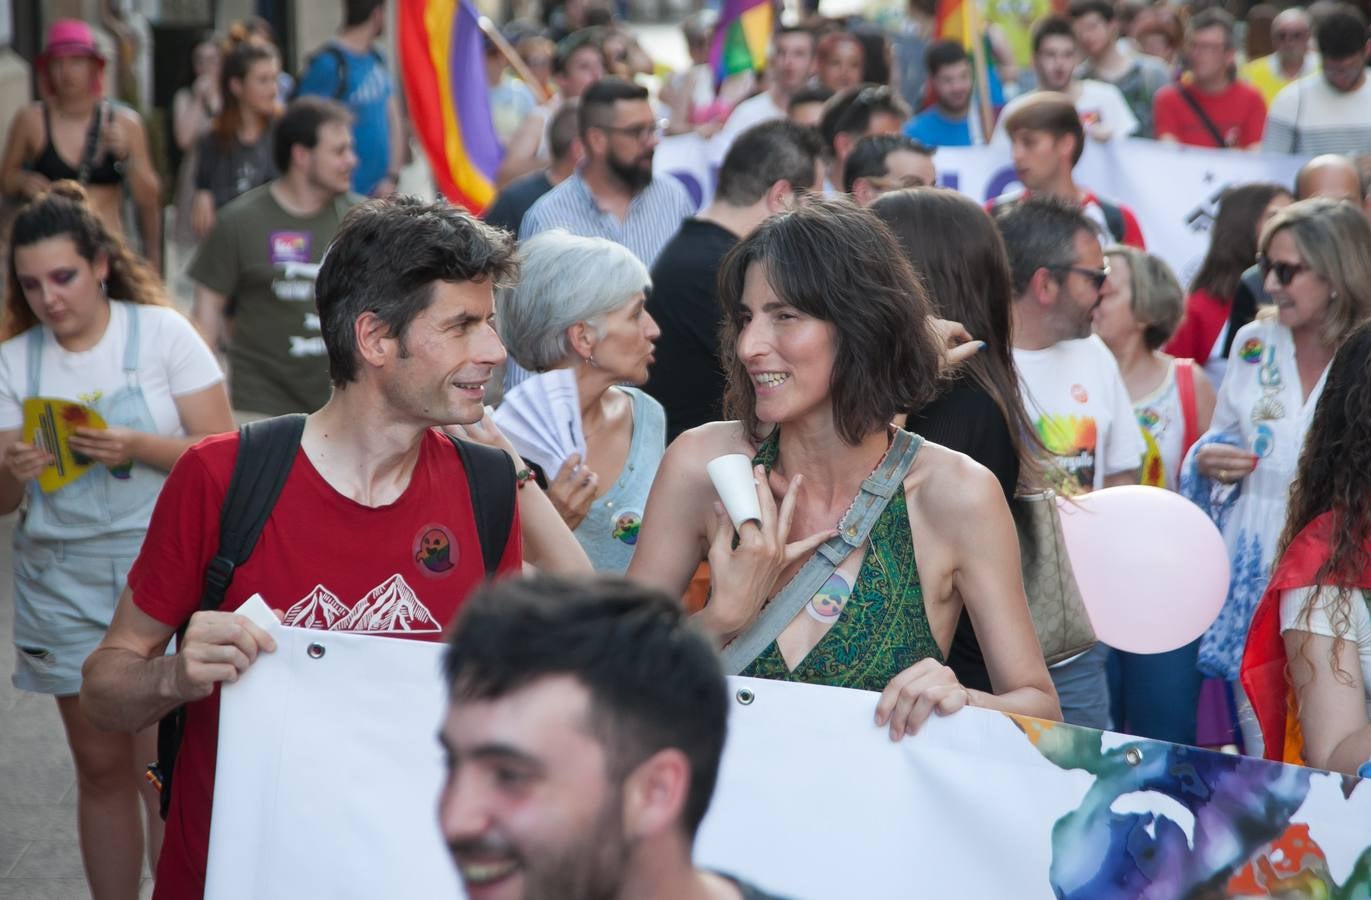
1103 110
788 68
1071 387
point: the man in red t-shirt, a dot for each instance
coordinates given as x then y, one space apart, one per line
1208 107
373 531
1046 140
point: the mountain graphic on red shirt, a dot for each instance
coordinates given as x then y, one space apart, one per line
320 609
389 608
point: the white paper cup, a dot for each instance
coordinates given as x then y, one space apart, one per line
737 487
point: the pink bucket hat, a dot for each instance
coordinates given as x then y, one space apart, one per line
69 37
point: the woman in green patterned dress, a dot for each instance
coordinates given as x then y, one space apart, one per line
825 340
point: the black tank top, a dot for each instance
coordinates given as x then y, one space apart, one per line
105 170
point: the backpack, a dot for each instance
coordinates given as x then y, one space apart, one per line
1113 214
266 452
340 90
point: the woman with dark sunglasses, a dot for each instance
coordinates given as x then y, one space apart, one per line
1315 256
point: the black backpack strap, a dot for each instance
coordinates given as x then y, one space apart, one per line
1113 219
340 90
266 452
490 478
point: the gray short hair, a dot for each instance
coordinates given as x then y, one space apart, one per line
565 279
1158 301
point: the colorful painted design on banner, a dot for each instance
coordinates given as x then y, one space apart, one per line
1166 820
1251 351
434 550
1072 440
442 57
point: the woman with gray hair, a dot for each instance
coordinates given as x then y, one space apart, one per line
1315 256
579 305
1154 695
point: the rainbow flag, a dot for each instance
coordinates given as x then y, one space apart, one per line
442 63
742 37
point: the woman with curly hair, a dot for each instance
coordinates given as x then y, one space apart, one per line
85 320
1316 257
1312 631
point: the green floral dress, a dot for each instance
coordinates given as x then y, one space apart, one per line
883 628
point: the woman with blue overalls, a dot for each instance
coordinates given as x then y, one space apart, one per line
144 370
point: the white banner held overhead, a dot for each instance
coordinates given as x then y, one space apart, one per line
329 772
1174 191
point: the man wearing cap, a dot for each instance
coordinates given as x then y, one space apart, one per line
75 133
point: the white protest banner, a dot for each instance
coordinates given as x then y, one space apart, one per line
1174 191
329 772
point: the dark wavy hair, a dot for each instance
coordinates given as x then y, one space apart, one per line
954 246
62 211
839 264
1233 239
1334 476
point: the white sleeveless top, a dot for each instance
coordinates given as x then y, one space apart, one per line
1163 427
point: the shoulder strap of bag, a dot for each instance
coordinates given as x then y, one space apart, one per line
266 452
1185 389
340 90
1113 219
853 529
491 480
1207 122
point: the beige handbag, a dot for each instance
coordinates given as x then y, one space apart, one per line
1054 599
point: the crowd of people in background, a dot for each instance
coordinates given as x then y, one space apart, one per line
828 312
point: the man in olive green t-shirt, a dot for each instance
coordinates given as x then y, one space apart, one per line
255 270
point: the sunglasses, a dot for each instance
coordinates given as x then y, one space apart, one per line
1285 272
1097 276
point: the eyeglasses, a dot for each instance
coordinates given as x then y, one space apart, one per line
1285 272
638 133
1097 276
1290 35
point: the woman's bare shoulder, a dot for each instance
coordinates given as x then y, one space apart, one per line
703 443
946 483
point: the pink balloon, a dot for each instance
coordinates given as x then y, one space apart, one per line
1152 568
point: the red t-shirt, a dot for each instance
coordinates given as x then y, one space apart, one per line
329 562
1205 316
1238 111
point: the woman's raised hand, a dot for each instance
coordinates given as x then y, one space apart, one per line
744 577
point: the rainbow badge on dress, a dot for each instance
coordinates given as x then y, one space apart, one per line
48 423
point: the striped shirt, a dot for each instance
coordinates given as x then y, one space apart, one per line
1310 117
654 215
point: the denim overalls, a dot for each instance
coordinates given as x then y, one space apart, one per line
73 547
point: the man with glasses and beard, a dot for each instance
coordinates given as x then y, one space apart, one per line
1328 112
1071 387
583 736
613 195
